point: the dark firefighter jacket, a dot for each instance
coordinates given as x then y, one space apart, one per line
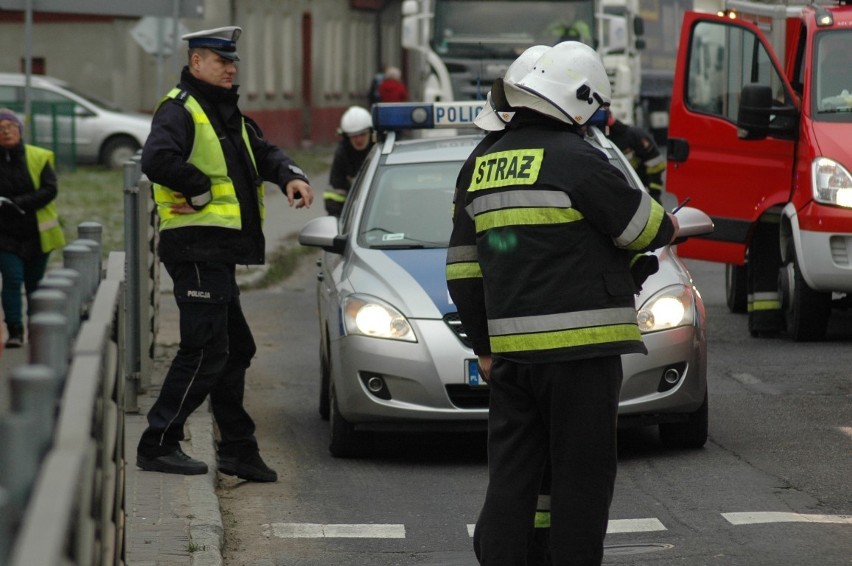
165 160
642 152
344 167
540 252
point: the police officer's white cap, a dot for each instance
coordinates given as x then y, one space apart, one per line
222 41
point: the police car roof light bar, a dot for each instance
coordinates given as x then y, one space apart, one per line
424 115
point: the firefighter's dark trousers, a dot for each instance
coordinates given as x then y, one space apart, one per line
568 410
216 348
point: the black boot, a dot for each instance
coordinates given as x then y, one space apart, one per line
16 336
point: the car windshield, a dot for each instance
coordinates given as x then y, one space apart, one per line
833 79
476 28
410 206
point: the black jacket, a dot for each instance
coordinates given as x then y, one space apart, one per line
19 232
164 161
552 227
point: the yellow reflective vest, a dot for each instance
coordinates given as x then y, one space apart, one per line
223 210
49 229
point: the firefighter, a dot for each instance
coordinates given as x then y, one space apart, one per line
639 148
356 132
550 227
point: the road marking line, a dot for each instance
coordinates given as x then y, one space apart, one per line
318 530
617 526
847 430
634 526
754 518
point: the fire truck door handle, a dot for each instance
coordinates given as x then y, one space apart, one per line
677 149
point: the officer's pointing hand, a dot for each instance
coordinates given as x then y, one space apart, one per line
299 192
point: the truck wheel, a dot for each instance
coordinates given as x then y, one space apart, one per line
691 434
325 378
736 287
343 438
806 311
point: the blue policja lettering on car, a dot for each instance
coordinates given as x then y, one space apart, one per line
428 268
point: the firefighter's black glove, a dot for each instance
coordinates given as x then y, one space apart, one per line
643 267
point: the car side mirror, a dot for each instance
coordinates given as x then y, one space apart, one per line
323 233
692 222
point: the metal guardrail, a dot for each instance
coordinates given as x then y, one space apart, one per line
91 344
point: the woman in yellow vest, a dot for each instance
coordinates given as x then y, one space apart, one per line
29 223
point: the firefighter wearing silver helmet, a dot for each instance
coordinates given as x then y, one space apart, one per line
356 132
554 229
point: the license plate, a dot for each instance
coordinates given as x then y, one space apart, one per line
473 377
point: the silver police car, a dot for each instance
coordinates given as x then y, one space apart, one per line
393 353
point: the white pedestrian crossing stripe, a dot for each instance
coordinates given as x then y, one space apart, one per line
615 526
755 518
317 530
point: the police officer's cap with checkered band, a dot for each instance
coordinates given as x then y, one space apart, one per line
221 41
568 82
497 111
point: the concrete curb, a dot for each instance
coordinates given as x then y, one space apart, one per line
206 531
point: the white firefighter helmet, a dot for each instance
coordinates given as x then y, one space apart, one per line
355 120
493 117
568 82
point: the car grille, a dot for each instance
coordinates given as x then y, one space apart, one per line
454 322
467 397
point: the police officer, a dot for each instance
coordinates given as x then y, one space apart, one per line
356 131
555 227
208 162
639 148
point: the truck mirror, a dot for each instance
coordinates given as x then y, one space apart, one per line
755 108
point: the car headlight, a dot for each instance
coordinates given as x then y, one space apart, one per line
832 183
669 308
368 316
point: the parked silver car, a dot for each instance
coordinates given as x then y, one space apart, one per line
393 354
102 133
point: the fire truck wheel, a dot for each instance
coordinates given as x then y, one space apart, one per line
806 311
736 288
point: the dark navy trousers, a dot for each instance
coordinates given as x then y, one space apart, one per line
567 411
216 348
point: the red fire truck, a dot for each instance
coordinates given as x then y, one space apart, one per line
760 137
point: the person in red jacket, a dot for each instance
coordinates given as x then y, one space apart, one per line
392 89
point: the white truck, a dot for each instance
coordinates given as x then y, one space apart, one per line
461 46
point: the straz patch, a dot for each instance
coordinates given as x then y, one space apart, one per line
507 168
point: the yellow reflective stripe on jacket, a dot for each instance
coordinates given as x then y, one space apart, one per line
49 229
764 302
335 195
644 225
207 155
462 263
507 168
526 216
520 207
563 330
565 338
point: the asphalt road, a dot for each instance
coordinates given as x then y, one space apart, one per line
771 487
